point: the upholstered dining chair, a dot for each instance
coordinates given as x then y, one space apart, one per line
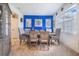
33 38
56 35
44 38
22 37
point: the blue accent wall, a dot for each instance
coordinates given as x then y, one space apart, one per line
34 17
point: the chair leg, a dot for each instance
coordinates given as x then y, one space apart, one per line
24 40
36 43
40 45
20 42
49 42
48 45
30 44
58 42
52 40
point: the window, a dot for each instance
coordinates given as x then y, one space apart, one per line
66 22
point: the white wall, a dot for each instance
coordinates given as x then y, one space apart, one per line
20 14
71 40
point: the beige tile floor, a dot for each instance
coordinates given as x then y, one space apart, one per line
24 50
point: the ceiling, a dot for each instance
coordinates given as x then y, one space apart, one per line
37 8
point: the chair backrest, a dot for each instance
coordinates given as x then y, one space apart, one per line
33 34
27 31
41 31
58 31
19 31
20 36
44 35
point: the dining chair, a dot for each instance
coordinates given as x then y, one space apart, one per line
33 38
22 37
27 32
44 38
56 36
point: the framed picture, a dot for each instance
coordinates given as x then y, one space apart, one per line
48 23
38 22
28 22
